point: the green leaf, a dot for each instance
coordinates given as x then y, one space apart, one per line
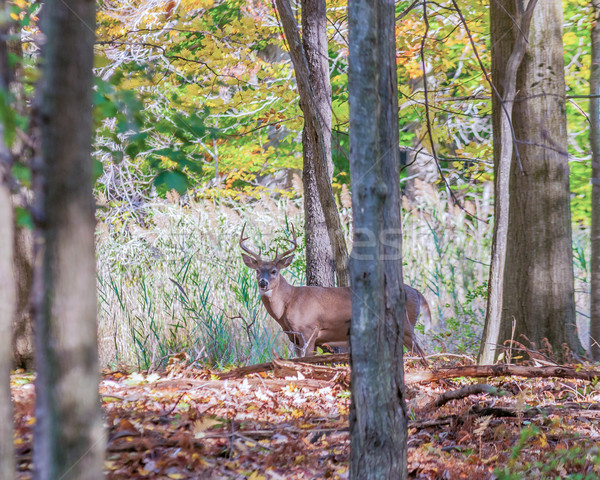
22 173
132 150
117 156
101 61
7 118
170 180
23 218
97 169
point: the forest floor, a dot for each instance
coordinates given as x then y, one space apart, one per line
187 423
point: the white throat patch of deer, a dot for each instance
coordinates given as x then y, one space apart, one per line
314 316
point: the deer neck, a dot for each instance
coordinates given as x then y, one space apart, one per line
277 299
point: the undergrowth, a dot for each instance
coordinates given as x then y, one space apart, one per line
171 279
579 462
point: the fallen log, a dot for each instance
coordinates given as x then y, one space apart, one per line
265 367
422 376
287 368
463 392
484 371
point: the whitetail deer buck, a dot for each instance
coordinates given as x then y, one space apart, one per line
314 316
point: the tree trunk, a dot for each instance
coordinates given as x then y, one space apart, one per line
22 334
22 245
319 257
595 144
312 119
7 311
538 305
7 282
378 420
69 437
507 55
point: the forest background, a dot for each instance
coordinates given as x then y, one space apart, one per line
198 130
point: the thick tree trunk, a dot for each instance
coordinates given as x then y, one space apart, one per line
507 55
7 278
319 257
315 129
69 437
595 144
378 419
538 303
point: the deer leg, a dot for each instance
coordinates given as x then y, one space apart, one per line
309 345
411 343
297 340
302 346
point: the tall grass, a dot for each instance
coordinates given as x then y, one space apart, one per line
446 253
172 279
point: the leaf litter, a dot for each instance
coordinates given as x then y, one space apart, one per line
187 424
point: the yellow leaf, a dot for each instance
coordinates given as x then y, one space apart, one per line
14 16
200 426
256 476
543 441
176 476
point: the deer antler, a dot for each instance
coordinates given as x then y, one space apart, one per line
254 255
291 250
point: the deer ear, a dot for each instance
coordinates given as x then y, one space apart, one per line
250 262
285 262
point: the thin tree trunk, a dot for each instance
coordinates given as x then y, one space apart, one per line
506 59
595 144
308 103
378 419
69 437
7 311
7 278
22 334
319 257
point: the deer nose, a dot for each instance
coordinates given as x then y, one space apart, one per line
262 283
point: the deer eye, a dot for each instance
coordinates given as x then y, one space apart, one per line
274 271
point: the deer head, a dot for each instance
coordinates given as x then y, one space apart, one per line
267 271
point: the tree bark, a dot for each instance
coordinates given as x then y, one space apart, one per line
595 144
537 304
69 437
7 311
315 126
22 334
378 420
507 55
319 257
7 282
500 370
